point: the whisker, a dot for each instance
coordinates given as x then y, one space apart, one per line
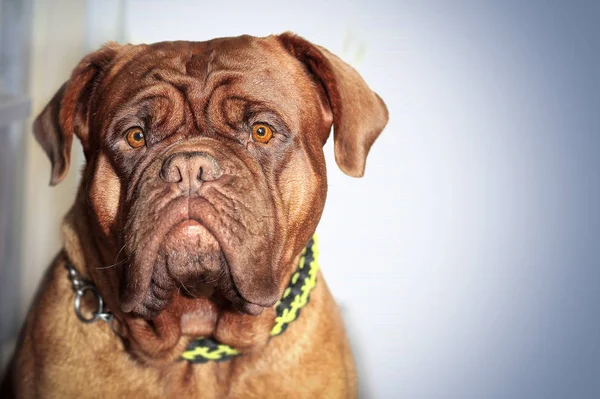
113 265
119 253
186 290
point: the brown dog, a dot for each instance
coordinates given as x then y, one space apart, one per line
205 180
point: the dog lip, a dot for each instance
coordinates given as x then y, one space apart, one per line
267 302
189 227
188 223
138 282
253 308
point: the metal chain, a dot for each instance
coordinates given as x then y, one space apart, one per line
81 287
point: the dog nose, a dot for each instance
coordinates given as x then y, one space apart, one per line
190 169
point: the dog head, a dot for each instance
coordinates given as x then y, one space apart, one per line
204 168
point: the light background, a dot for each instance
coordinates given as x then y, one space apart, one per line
466 260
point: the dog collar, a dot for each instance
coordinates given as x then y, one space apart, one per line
204 349
295 297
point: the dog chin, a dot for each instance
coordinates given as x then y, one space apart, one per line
190 263
189 251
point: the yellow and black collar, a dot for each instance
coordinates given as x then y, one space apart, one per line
295 297
203 350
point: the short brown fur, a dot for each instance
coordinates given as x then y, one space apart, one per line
198 232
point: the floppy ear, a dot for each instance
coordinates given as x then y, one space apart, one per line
67 113
359 115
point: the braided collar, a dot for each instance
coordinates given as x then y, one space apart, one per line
206 349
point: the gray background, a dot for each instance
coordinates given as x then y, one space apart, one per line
466 260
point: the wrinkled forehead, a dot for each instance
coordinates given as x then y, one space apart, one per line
247 69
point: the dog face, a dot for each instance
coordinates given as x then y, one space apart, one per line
205 172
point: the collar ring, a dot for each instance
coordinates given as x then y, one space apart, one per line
98 313
81 286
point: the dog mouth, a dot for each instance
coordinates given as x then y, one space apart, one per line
181 255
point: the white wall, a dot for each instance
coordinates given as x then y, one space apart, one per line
58 43
63 32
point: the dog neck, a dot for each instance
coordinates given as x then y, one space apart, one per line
165 337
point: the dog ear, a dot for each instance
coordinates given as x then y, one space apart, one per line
67 113
359 114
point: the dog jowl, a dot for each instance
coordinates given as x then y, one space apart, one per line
205 176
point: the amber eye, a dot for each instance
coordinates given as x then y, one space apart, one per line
135 137
261 133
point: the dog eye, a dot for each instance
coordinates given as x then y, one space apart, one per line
262 133
135 137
